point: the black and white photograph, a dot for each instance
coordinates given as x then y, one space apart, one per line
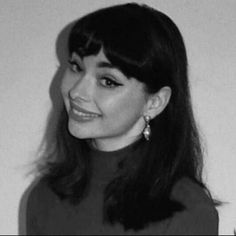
118 117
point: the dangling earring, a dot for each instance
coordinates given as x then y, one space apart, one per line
147 129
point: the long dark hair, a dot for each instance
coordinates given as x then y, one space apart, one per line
144 43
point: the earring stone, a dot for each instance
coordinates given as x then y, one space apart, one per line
147 129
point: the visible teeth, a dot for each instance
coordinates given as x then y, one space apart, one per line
83 114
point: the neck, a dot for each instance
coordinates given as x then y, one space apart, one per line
113 145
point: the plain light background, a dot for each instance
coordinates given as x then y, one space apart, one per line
28 62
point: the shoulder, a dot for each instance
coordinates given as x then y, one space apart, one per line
190 193
40 194
40 200
200 215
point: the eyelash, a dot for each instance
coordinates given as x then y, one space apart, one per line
74 67
114 84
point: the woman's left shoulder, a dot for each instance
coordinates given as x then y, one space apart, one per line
190 193
200 215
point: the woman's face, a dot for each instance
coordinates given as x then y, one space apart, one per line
94 84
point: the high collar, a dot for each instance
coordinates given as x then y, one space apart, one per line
104 164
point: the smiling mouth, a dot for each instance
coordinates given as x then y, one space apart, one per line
82 111
82 114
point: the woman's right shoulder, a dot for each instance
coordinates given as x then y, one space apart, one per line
39 202
41 194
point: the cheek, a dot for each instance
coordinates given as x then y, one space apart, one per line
121 109
66 84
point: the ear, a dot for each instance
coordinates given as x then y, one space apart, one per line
157 102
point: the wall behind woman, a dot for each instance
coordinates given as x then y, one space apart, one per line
28 63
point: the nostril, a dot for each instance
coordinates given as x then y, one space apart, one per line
72 94
75 95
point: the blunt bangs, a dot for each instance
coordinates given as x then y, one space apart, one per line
124 36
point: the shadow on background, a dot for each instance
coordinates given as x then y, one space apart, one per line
53 116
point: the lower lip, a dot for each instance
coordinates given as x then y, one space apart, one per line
78 118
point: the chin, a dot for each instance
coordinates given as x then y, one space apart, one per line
77 133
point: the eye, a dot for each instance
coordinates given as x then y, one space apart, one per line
74 66
108 82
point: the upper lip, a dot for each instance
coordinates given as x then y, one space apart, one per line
78 108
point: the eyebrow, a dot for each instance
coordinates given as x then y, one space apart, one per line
106 64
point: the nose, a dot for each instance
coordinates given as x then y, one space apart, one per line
81 90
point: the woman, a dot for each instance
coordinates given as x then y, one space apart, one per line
128 158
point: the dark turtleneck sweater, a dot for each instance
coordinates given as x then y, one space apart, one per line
48 215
